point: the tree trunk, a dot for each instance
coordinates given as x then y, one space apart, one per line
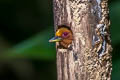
89 55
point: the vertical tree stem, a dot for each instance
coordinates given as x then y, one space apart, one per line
89 57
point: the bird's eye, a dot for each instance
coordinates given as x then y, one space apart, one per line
65 34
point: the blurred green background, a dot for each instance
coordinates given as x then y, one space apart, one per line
25 28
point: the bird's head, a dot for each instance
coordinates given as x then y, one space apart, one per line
64 36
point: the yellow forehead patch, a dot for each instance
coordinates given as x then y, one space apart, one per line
60 31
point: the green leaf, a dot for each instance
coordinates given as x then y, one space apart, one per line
36 47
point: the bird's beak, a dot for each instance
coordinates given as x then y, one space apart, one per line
55 39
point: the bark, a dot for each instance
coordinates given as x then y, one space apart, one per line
89 57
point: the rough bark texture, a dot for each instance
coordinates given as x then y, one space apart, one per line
89 57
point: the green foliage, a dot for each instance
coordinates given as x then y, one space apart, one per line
115 22
36 47
116 70
115 36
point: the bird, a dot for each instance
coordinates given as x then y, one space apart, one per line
64 36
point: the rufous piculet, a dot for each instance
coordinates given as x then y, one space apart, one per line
64 36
